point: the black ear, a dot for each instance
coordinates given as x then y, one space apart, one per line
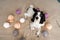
35 10
33 17
42 15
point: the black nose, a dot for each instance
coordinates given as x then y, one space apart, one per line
36 17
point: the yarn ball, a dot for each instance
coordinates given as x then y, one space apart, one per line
45 33
15 32
18 11
17 25
11 18
46 15
6 25
49 26
22 20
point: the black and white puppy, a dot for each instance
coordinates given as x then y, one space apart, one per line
37 20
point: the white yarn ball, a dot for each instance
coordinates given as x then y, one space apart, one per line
22 20
6 25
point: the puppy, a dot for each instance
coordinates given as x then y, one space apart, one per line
37 20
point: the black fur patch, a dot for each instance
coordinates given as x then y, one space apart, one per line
42 15
33 17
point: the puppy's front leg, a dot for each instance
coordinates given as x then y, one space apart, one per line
32 26
38 32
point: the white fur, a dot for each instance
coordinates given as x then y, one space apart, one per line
29 12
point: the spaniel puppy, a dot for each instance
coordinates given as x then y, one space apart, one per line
37 20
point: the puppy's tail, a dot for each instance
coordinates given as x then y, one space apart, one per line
31 6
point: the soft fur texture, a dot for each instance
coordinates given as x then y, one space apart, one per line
29 12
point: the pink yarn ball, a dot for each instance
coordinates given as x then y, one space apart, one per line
18 11
46 15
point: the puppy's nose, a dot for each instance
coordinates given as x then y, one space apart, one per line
36 17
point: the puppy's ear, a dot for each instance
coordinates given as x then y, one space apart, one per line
42 15
33 18
35 10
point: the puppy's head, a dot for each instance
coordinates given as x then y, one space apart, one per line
38 16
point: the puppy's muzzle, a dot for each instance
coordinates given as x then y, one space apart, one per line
36 18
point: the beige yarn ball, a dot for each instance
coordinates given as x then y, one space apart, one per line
11 18
48 26
17 25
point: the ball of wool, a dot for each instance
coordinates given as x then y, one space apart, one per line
46 15
22 20
17 25
45 33
6 25
49 26
15 32
18 11
11 18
